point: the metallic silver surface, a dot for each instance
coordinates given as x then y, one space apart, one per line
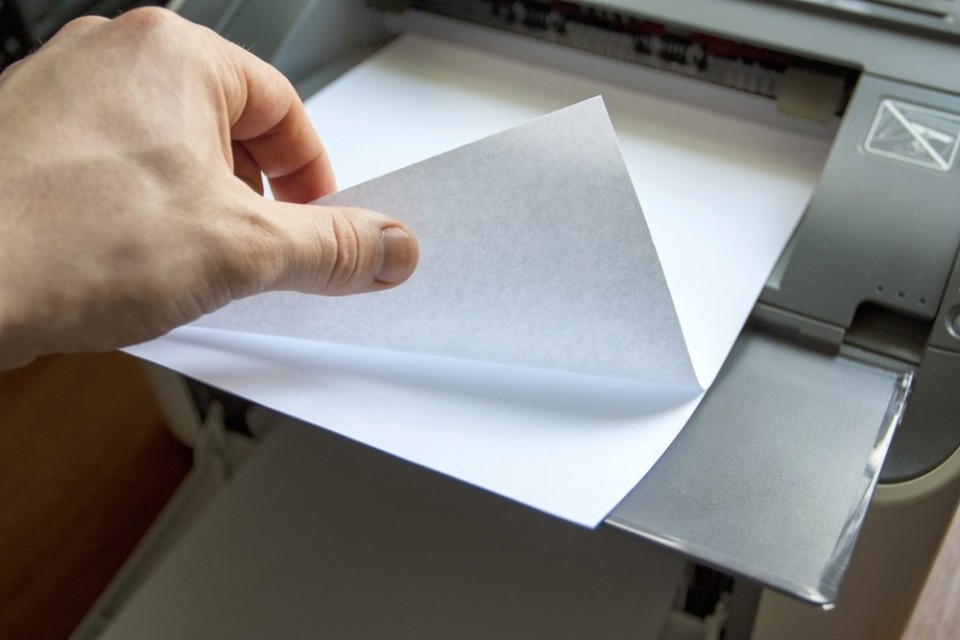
771 477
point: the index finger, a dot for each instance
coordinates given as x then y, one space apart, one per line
267 117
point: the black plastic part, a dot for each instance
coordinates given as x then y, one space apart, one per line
15 40
930 430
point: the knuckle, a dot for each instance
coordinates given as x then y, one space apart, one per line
145 19
85 21
80 25
347 267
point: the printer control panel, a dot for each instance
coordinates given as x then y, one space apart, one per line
632 37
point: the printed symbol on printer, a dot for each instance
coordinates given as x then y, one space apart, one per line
915 134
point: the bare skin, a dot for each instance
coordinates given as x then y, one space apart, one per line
131 195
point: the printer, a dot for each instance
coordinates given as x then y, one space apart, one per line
807 496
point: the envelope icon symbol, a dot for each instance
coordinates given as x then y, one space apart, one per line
915 135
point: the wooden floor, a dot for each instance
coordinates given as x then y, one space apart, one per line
86 463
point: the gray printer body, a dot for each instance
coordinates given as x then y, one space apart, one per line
858 328
873 266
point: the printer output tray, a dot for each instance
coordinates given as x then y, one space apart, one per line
772 476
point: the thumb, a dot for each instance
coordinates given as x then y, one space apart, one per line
332 250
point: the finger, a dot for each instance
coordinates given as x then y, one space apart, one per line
266 114
314 249
245 168
340 251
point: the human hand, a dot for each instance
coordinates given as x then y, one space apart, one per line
131 194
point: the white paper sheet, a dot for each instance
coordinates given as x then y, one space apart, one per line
720 195
534 252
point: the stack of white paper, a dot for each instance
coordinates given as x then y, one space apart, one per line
538 351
